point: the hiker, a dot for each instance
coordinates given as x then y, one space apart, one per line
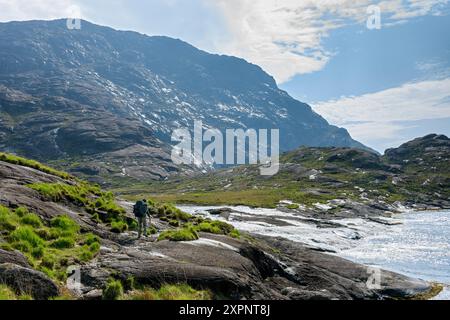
141 212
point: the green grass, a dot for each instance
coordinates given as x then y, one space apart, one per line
215 227
91 239
31 220
8 221
118 226
26 237
64 295
57 192
33 164
101 205
63 243
190 231
81 194
7 294
341 170
113 290
262 198
65 226
188 226
50 246
254 191
183 234
173 292
125 290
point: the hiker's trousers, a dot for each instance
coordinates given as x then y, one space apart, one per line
142 226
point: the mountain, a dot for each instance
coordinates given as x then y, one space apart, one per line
345 180
102 102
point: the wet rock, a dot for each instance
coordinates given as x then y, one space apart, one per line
220 211
298 294
341 278
223 212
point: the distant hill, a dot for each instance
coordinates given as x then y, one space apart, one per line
417 174
102 103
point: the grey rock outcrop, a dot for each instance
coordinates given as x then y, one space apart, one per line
28 281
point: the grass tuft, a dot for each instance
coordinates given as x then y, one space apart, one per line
31 220
7 294
113 290
188 225
63 243
184 234
177 292
101 205
25 237
119 226
65 226
5 157
49 246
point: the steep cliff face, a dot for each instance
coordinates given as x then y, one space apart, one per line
66 94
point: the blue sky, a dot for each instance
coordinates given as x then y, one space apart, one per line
373 60
385 86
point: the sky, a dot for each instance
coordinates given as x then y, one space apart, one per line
386 85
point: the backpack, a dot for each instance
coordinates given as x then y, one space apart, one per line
140 209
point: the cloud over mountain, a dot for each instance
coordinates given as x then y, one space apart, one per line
378 116
286 37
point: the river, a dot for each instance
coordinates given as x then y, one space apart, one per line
416 244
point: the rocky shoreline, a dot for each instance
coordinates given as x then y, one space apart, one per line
252 267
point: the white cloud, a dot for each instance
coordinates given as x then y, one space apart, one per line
18 10
285 36
382 115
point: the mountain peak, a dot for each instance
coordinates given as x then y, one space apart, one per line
75 80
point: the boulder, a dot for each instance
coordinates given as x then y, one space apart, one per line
28 281
14 257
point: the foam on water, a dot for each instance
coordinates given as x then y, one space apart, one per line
418 247
298 228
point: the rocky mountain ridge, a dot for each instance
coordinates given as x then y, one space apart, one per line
104 102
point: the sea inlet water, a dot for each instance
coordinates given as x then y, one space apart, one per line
417 244
420 247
